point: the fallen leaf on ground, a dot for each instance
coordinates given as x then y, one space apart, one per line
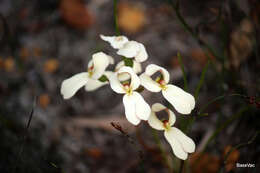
24 53
200 57
51 65
241 44
44 100
209 163
37 51
93 152
76 14
232 158
9 64
131 18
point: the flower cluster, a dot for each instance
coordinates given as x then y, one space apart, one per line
125 80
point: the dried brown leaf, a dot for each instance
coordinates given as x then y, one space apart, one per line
131 18
76 14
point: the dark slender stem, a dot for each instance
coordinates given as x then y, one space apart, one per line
25 136
183 72
206 47
181 166
251 140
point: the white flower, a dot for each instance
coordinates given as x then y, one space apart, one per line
182 101
128 49
180 143
133 49
116 42
136 67
136 109
96 68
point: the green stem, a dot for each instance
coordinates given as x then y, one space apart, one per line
226 123
202 77
158 143
200 113
183 72
219 129
206 47
115 18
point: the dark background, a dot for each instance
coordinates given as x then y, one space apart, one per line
44 42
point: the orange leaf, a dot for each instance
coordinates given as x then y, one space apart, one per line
9 64
51 65
44 100
75 14
94 153
232 158
131 18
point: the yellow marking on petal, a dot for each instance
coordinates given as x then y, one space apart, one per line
162 84
128 89
166 125
119 38
90 70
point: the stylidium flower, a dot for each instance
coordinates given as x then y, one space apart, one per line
128 49
133 49
96 68
116 42
182 101
136 109
136 67
180 143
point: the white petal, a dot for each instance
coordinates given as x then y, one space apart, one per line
182 101
142 54
154 122
135 81
108 73
175 145
116 42
129 50
123 77
111 59
136 66
90 63
130 110
143 110
157 107
100 62
149 83
94 84
115 83
187 143
152 68
119 65
71 85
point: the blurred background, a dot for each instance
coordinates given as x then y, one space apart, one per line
44 42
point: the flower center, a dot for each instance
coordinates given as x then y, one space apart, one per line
127 88
119 38
166 124
162 83
90 70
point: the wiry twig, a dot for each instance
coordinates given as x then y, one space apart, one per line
251 140
205 46
163 153
118 127
25 135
